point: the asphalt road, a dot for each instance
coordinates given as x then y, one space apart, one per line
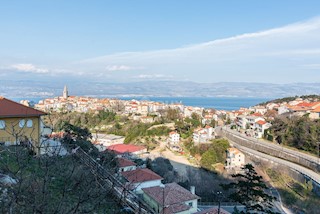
311 174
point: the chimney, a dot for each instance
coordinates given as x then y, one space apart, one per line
193 189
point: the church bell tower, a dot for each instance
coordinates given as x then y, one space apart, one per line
65 92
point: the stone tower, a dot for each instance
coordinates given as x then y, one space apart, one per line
65 92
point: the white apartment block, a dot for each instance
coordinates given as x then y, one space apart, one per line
202 135
174 137
260 127
235 158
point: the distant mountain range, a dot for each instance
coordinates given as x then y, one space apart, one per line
28 89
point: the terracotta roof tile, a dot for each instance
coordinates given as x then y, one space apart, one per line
176 208
173 194
213 210
9 108
261 122
316 109
122 162
123 148
141 175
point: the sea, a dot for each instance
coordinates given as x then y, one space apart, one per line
219 103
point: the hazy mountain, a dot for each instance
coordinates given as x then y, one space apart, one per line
22 88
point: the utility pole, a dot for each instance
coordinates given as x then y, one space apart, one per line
318 152
162 186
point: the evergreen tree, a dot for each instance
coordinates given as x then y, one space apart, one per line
250 191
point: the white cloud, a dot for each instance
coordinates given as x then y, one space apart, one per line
153 76
273 55
121 68
29 68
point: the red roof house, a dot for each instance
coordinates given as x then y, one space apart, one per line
127 148
20 124
172 197
141 178
126 165
9 108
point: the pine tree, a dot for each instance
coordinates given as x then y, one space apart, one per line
250 191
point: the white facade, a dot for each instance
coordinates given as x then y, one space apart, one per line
174 138
203 135
260 127
235 158
283 109
136 187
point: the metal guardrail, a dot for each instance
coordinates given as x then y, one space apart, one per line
125 196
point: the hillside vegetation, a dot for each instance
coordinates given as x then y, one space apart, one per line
298 132
288 99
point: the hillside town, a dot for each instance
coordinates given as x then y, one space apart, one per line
132 159
254 121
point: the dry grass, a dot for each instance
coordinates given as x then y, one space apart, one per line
295 195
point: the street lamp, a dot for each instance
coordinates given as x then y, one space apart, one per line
219 195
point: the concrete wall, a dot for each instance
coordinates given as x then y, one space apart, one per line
283 169
276 153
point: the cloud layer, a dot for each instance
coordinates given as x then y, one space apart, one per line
281 55
29 68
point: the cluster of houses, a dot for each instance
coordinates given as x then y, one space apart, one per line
140 110
300 107
167 198
22 124
255 120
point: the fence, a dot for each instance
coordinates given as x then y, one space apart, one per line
126 197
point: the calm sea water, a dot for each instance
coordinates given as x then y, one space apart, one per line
221 103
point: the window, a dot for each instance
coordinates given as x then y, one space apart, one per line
29 123
22 123
2 124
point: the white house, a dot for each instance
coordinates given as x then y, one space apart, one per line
202 135
141 178
174 137
241 121
260 127
102 141
171 198
235 158
126 165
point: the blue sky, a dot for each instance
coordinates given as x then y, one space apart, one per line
204 41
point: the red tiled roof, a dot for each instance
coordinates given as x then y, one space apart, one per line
122 162
315 104
141 175
305 104
213 210
176 208
316 109
9 108
173 132
233 150
257 114
171 194
123 148
261 122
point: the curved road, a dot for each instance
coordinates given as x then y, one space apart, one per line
277 147
311 174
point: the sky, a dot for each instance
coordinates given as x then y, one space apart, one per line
176 40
